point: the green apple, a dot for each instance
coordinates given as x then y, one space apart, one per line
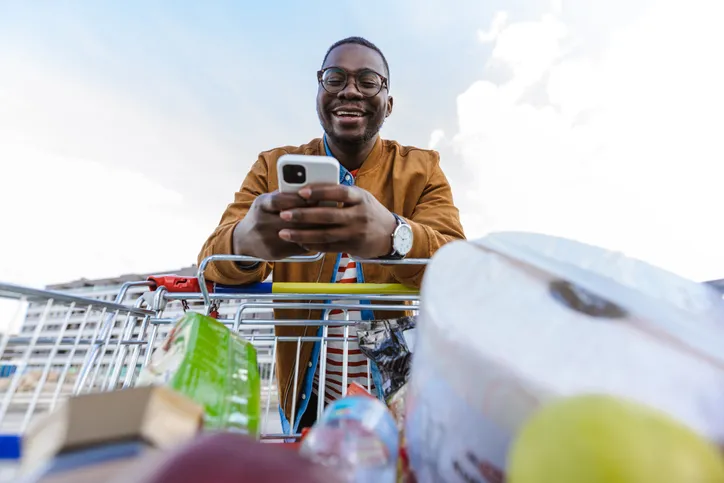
604 439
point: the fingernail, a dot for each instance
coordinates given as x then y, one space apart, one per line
286 215
285 235
305 192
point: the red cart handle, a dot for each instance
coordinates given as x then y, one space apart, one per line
175 283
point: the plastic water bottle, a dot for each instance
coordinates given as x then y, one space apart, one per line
357 440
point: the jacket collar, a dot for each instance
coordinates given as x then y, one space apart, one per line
369 164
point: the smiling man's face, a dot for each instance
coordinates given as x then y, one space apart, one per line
349 117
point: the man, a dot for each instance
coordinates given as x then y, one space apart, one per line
391 195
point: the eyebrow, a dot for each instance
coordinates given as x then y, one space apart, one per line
354 71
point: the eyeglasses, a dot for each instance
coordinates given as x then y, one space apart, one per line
369 83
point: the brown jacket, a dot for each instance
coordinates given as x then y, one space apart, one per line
406 180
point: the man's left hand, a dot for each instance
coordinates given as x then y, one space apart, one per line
361 227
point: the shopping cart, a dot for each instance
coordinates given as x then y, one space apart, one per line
70 344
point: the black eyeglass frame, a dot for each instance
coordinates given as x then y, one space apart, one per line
383 85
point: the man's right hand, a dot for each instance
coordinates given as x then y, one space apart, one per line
257 235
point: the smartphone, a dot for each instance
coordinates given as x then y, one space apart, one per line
295 171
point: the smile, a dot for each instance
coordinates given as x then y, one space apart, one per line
344 113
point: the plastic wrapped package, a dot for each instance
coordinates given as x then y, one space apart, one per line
389 344
204 360
513 320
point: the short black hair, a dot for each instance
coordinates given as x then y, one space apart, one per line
363 42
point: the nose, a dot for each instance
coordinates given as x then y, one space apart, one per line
350 91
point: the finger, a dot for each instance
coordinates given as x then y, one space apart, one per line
318 216
276 202
349 195
309 238
268 222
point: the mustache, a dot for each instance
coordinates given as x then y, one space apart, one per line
348 105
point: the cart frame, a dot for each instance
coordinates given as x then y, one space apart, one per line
117 338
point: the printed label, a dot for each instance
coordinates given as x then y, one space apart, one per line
447 441
166 359
462 437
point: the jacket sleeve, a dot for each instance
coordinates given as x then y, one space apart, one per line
220 242
435 221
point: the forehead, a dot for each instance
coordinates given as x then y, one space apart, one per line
354 57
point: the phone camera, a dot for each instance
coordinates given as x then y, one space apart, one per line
294 174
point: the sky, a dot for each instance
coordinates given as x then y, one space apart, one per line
125 128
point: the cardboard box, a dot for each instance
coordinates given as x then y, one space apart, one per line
149 417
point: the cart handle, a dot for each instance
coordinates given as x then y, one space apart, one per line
178 284
314 288
303 259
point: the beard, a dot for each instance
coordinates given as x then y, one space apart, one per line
372 128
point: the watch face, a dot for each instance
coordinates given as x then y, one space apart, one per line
402 242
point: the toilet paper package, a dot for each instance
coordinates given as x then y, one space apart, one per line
513 320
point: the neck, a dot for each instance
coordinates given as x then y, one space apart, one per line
351 156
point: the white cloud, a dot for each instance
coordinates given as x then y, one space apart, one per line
73 111
76 201
496 26
620 149
67 218
529 49
435 138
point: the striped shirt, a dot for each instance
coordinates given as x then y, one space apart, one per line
357 363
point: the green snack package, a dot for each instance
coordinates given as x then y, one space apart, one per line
207 362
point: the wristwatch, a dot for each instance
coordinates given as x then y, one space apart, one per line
401 239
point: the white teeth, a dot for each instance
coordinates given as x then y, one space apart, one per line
347 113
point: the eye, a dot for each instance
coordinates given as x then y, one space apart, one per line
334 77
369 79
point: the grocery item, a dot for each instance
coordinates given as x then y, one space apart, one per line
404 474
356 438
397 408
514 320
95 464
85 430
605 439
356 389
389 343
228 458
213 366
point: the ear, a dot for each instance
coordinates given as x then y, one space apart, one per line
390 104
